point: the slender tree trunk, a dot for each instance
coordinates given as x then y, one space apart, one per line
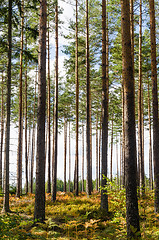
117 165
88 182
26 128
7 129
19 153
120 175
33 142
140 130
54 179
39 211
2 130
97 152
77 102
99 174
150 141
155 103
82 157
111 155
48 119
104 196
29 159
65 151
69 158
132 215
123 138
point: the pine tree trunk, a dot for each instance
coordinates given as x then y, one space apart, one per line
19 152
2 130
132 215
88 182
117 165
7 128
69 158
111 155
54 180
48 118
123 138
77 102
33 143
65 151
150 141
39 211
26 140
99 174
140 133
155 103
82 157
97 152
104 197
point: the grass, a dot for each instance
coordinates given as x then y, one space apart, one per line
72 217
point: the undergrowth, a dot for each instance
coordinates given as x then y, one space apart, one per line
72 217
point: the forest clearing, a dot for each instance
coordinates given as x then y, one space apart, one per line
72 217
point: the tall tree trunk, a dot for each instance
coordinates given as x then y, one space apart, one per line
111 155
19 153
33 142
54 179
97 152
77 102
82 157
48 118
7 128
39 211
104 196
99 174
65 151
26 128
120 175
123 138
117 165
2 130
155 103
140 133
88 183
69 158
132 215
150 141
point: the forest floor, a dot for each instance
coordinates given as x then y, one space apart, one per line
72 217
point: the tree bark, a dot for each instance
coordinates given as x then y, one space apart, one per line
155 104
26 139
65 152
97 152
140 130
2 130
77 102
88 182
132 215
19 153
54 179
82 157
7 127
33 142
69 158
104 196
150 141
39 211
48 118
111 155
